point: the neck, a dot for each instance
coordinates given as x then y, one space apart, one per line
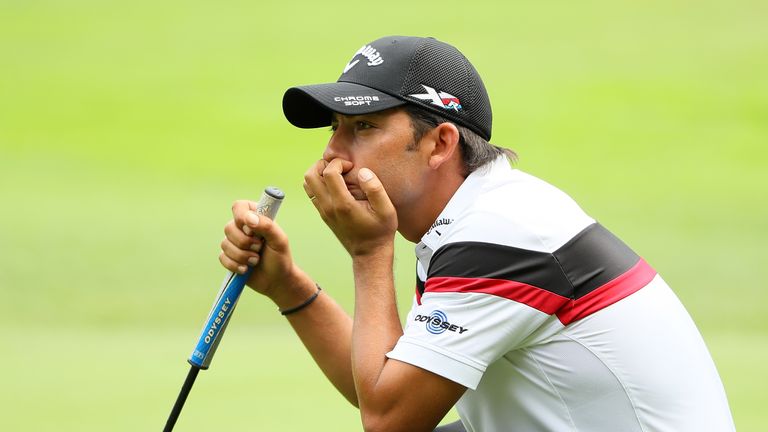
414 222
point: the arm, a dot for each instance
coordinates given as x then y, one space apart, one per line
391 394
324 327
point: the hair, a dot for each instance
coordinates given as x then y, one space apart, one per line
475 150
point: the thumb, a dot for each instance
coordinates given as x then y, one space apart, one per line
274 236
374 191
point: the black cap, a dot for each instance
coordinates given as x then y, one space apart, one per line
393 71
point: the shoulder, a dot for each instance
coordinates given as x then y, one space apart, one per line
520 211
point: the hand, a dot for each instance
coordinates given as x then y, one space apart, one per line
362 226
254 240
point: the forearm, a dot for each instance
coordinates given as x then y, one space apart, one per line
389 392
325 329
376 324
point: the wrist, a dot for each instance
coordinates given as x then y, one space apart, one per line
374 265
297 287
383 251
303 305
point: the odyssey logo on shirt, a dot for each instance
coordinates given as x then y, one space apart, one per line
437 322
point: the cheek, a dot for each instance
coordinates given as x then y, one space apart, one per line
400 182
396 167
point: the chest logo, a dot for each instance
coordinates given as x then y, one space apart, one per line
439 222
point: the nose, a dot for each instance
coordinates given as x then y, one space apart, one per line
337 146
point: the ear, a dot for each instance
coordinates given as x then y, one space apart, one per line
446 144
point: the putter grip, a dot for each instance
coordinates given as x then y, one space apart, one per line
229 293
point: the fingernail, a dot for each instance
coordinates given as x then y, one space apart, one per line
247 230
365 174
252 218
255 247
253 260
242 269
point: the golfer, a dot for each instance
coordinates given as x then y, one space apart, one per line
528 315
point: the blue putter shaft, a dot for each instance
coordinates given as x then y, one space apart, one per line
229 293
219 316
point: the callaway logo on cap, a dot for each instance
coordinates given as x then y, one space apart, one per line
369 52
393 71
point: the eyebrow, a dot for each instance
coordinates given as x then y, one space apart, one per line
375 115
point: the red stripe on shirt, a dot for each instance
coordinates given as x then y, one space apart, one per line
535 297
622 286
567 310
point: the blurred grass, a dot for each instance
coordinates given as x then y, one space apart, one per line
128 128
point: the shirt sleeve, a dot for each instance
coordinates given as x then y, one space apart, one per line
481 300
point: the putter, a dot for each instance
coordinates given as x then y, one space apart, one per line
222 309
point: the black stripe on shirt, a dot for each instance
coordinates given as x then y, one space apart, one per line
593 258
589 260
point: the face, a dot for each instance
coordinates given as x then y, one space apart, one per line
382 142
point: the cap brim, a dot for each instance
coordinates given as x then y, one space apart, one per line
311 106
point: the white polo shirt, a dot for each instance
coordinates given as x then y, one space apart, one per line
550 321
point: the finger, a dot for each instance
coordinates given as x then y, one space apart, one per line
240 256
254 209
315 184
374 191
240 210
315 170
252 220
346 165
310 194
256 244
334 181
320 166
237 237
273 236
231 265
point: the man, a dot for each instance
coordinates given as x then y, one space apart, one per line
528 315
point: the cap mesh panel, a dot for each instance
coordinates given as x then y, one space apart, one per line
444 68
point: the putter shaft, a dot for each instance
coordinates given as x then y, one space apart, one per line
188 382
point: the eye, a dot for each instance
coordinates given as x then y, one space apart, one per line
363 125
333 127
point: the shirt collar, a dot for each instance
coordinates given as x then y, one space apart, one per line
478 181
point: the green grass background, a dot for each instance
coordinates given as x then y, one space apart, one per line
128 128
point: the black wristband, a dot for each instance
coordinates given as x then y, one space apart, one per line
303 305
